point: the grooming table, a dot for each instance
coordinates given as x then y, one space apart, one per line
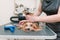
46 33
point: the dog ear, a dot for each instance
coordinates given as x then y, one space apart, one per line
38 29
21 23
37 25
19 26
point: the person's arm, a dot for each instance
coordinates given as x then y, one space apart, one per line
50 19
39 9
46 19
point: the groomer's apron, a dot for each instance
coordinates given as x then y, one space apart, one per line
50 7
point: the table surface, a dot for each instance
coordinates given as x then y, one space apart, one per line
46 33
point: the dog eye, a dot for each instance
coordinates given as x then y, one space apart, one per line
31 25
25 25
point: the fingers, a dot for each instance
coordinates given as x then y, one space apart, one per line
23 21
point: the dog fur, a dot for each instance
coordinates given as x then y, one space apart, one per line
29 26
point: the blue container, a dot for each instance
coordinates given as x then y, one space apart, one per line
11 28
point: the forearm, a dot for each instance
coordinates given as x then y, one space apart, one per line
49 19
38 11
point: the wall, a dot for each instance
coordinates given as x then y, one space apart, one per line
6 10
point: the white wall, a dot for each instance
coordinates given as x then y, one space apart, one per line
27 3
7 9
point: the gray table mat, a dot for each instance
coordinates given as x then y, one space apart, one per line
45 32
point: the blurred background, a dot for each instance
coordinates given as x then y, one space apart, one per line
7 8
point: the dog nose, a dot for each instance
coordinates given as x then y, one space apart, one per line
28 29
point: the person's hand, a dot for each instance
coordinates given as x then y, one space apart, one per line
30 19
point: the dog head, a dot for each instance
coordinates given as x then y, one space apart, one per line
29 26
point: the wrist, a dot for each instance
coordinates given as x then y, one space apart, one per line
37 19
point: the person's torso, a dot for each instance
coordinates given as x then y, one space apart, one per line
50 7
